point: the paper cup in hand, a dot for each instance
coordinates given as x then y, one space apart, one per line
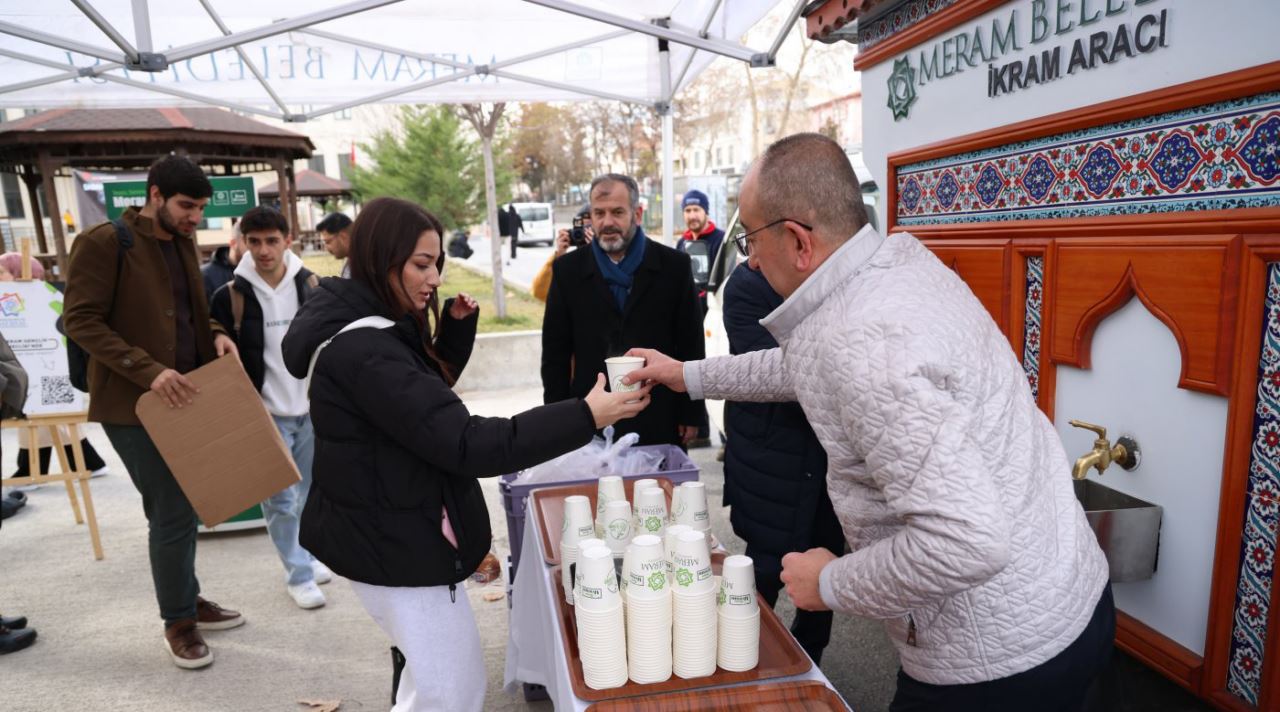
651 510
617 525
737 597
692 510
619 366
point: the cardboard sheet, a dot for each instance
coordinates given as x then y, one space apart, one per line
224 448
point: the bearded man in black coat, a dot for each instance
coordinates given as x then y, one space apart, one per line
624 290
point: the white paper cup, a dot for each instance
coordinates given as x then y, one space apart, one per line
651 510
578 522
694 634
617 525
737 596
693 506
643 483
691 564
669 537
608 489
597 585
677 505
647 572
738 643
619 366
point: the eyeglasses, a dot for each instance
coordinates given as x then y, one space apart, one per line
744 245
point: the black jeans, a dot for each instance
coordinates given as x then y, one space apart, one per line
1060 684
171 521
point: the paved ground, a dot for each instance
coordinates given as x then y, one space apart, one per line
100 645
519 272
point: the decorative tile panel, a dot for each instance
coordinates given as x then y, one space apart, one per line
1031 329
1262 513
1217 156
900 18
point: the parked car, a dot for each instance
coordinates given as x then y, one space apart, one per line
538 228
726 262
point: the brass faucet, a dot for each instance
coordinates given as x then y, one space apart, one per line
1124 453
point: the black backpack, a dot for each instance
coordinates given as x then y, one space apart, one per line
77 357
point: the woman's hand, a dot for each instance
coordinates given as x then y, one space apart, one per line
608 408
463 306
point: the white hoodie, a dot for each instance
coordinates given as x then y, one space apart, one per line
283 394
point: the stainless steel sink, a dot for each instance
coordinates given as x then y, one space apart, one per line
1128 529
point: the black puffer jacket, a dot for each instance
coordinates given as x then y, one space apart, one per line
394 444
775 470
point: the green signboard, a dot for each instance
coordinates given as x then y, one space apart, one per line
232 196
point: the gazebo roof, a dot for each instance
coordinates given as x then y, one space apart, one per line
132 138
311 184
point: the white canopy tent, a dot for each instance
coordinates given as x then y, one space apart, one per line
289 60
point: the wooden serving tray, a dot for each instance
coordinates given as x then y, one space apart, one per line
771 697
780 656
550 504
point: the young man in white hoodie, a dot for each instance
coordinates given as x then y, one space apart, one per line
257 308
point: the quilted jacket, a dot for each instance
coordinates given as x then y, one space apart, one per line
952 488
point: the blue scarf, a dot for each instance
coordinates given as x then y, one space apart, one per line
619 276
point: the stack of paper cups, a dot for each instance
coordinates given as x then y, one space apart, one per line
693 650
677 505
738 612
693 507
609 489
576 527
651 510
669 537
602 645
636 489
617 526
648 606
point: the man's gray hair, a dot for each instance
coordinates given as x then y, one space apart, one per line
633 190
808 177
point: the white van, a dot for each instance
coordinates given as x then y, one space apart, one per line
538 228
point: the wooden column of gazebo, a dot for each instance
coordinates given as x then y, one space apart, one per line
37 147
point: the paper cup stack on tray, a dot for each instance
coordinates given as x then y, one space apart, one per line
738 613
577 526
694 618
601 633
651 510
648 611
610 489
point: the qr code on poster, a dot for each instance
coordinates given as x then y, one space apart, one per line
56 390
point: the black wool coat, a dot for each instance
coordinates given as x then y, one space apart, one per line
582 327
395 445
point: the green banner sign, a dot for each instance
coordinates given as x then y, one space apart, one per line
232 196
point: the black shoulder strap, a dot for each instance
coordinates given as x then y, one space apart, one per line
124 235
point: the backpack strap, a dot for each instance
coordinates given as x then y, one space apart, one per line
237 306
313 281
368 322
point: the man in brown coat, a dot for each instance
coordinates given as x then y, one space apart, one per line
140 312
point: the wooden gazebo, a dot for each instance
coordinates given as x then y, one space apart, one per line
312 184
39 146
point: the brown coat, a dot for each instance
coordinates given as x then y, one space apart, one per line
126 322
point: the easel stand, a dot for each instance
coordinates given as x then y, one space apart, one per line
70 472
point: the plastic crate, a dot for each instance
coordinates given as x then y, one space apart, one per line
676 466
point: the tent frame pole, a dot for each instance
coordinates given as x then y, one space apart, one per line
710 44
108 29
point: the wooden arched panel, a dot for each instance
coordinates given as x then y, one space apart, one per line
984 266
1189 283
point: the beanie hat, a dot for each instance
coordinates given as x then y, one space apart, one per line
698 198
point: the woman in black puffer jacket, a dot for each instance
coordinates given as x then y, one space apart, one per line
395 505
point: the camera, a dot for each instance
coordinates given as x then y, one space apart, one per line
578 235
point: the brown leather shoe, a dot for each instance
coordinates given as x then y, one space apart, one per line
186 646
211 616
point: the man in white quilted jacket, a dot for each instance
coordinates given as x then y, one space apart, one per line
951 486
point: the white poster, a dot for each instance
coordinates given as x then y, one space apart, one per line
29 312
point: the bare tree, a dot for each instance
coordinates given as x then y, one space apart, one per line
485 123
